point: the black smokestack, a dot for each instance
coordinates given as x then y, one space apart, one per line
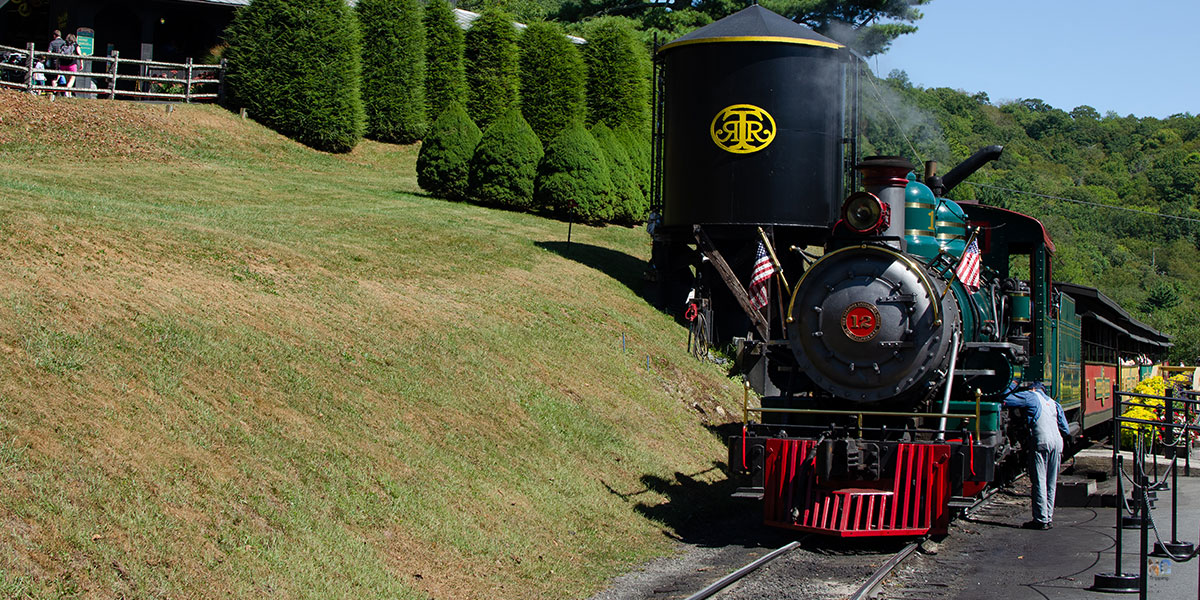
942 185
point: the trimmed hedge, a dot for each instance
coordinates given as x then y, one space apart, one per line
445 81
629 205
618 74
393 63
573 178
443 165
637 145
493 80
505 163
552 80
295 66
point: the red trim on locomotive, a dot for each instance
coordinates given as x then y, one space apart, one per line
913 502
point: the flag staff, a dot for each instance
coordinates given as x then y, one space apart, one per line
954 272
775 261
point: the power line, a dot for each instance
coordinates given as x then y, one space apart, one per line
1096 204
899 127
878 94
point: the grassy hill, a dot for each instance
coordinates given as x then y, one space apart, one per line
231 366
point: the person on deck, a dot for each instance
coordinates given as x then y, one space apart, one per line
1047 430
70 50
56 44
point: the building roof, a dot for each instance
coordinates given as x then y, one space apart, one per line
1092 303
464 17
225 2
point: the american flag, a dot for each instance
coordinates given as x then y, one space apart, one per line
763 270
968 268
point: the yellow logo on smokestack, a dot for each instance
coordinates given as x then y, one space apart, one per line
742 129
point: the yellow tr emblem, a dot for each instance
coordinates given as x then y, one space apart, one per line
742 129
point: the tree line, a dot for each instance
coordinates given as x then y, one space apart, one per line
1118 194
524 119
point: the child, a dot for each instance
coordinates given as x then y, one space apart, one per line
39 78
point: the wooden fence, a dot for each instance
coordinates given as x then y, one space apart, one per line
186 82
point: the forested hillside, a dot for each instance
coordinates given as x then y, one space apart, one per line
1117 193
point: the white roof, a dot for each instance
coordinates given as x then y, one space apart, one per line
464 17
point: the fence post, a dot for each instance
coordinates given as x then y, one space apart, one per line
221 84
112 80
29 67
187 91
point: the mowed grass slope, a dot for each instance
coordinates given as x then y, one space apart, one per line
231 366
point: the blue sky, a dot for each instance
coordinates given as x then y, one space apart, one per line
1140 58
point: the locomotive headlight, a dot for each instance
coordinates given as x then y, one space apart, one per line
863 212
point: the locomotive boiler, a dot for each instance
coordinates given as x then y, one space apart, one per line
880 368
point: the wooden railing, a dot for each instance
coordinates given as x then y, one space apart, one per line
155 80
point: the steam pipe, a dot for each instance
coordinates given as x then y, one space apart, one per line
942 185
949 384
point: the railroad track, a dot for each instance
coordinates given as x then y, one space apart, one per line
869 587
733 577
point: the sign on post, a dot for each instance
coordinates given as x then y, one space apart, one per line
86 38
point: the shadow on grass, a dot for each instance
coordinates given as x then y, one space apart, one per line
618 265
704 513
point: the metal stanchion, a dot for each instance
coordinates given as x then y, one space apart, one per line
1144 484
1190 396
1138 518
1117 581
1162 485
1173 547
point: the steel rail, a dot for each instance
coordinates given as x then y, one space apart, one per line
729 579
886 569
969 512
867 588
872 584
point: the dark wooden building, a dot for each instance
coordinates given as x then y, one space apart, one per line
164 30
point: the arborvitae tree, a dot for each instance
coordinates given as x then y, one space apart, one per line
393 62
629 205
637 145
505 163
573 178
295 66
552 80
444 78
618 67
493 79
443 165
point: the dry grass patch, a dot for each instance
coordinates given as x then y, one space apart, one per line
244 368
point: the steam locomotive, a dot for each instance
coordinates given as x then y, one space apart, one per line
881 368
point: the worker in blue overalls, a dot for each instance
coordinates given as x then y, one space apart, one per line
1047 430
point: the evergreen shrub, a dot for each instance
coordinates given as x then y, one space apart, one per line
493 80
637 145
618 74
444 77
295 66
505 163
552 80
443 164
393 67
575 171
629 203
